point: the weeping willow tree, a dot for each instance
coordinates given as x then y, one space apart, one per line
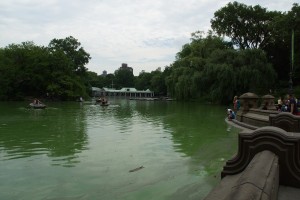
211 69
231 72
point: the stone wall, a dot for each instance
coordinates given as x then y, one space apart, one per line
286 121
266 157
286 145
252 114
260 180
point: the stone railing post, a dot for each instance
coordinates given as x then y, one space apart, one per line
268 101
248 100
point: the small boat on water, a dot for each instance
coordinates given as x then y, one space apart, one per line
104 104
80 99
102 101
37 106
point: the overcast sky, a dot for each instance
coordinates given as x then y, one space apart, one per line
145 34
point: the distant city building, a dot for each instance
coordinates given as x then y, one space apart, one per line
104 73
125 66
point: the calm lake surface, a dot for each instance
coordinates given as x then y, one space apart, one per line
75 150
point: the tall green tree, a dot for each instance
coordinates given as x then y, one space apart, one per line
256 27
23 68
157 83
279 50
124 78
28 70
73 50
229 73
68 78
143 81
214 71
247 26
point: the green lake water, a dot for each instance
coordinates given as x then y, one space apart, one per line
75 150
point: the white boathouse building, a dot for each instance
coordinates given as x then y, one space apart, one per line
124 92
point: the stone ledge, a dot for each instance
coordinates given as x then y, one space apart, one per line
256 116
288 193
286 145
263 112
258 181
254 119
286 121
244 125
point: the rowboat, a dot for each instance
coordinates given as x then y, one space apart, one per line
104 104
37 106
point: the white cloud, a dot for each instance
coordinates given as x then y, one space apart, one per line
146 34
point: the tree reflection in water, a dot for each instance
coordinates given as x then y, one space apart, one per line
58 131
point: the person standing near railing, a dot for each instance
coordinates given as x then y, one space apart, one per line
293 105
236 104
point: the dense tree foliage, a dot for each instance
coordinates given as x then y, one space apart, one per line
143 81
57 71
247 26
256 51
256 27
280 51
101 81
211 69
71 48
124 78
155 81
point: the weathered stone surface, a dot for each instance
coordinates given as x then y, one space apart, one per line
250 114
248 100
264 112
244 125
286 145
256 119
239 181
285 121
288 193
269 101
257 182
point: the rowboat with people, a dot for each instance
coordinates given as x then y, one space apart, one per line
104 104
37 104
102 101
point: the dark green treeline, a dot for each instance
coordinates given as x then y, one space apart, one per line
248 49
56 71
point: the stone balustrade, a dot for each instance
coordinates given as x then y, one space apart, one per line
286 145
268 101
248 100
260 180
253 115
267 158
285 121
